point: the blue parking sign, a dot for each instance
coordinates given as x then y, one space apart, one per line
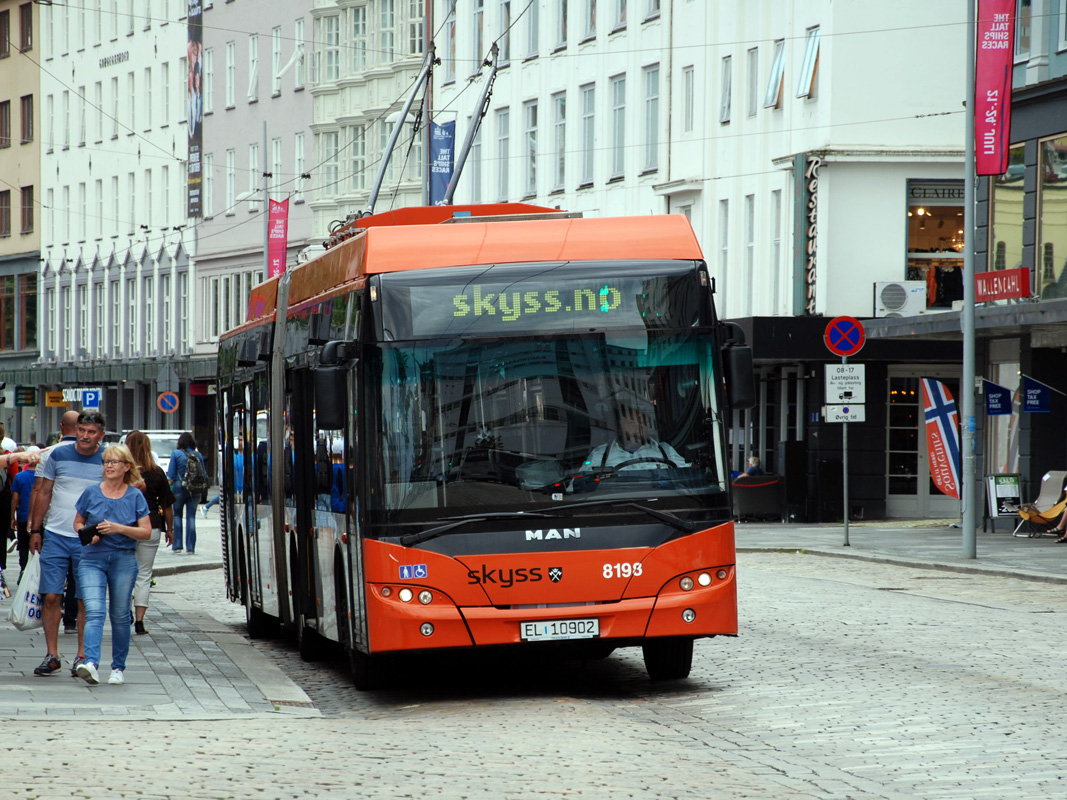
91 398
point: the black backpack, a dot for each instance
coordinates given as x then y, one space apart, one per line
194 481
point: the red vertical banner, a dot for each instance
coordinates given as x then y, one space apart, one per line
942 436
992 85
277 236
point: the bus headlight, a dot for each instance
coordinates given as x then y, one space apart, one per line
689 615
704 579
721 574
405 594
686 583
426 629
425 597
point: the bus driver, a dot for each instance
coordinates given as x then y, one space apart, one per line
633 448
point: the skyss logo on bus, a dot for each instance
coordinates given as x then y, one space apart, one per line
509 306
504 578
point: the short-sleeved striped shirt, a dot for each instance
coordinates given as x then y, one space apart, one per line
72 473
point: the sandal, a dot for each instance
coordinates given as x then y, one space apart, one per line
1061 540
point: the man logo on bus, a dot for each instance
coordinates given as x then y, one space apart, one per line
542 535
555 574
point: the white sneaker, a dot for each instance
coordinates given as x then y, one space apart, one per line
116 678
87 672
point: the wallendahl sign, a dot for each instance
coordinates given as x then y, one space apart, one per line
1005 284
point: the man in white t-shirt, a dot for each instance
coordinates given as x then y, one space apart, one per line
633 448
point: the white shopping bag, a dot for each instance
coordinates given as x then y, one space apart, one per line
26 606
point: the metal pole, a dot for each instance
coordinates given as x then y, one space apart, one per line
844 468
426 61
968 488
427 103
266 209
476 122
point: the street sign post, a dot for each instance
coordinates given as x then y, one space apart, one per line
845 388
167 402
90 398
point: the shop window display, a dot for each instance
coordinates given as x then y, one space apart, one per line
935 240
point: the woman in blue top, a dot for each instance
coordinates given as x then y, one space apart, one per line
108 563
184 503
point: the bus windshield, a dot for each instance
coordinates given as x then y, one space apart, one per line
506 423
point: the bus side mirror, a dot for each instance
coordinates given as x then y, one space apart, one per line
330 397
740 376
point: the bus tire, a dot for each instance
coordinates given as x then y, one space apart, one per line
368 672
260 625
668 659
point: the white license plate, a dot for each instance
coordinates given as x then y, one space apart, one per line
554 630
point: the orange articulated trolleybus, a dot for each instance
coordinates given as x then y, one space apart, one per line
485 426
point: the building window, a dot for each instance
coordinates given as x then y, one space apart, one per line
276 169
330 34
131 87
533 31
561 23
147 103
688 99
115 107
559 139
750 249
1023 12
26 27
27 209
503 155
620 15
298 65
589 20
26 110
331 167
588 133
5 212
652 117
5 123
231 181
5 33
772 98
753 81
477 34
208 83
1051 198
387 30
935 238
653 9
475 161
529 113
298 163
231 74
359 158
28 311
415 27
253 67
618 125
504 39
275 60
809 69
726 88
255 168
208 194
7 312
776 249
450 43
359 39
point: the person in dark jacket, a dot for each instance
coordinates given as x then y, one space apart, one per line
184 503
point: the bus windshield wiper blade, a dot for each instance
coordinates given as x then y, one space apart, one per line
666 517
456 522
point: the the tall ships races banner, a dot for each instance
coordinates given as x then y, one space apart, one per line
992 85
942 436
194 107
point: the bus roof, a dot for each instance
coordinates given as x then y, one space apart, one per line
399 247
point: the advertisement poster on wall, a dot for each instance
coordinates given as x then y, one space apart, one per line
194 105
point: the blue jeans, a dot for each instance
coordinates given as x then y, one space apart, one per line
185 506
105 582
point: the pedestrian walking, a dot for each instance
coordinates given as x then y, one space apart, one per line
111 517
67 472
21 491
157 492
188 482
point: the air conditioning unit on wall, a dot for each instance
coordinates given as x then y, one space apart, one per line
899 298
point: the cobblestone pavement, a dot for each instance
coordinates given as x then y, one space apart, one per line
851 679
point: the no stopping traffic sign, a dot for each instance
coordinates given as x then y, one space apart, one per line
845 336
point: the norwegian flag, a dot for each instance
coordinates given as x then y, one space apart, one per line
942 437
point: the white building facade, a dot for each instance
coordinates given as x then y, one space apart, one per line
116 278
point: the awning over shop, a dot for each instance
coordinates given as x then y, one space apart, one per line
1046 322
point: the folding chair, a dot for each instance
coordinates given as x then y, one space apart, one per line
1040 515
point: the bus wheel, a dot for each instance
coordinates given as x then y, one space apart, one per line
368 672
260 625
668 659
307 641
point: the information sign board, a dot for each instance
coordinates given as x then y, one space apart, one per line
846 383
1004 494
844 413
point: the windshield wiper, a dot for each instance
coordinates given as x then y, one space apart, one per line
666 517
433 533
